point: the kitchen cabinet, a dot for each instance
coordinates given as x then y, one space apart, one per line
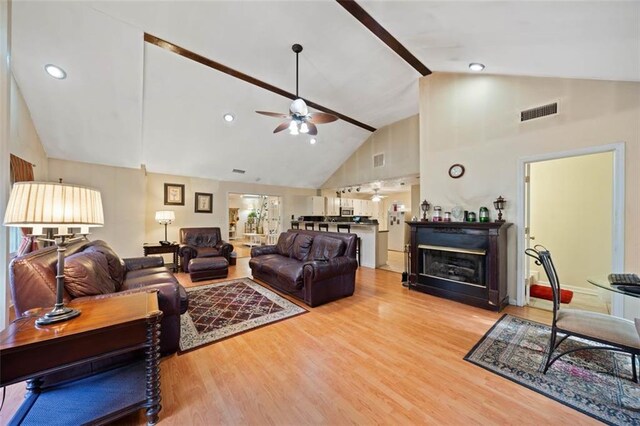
332 206
346 202
315 206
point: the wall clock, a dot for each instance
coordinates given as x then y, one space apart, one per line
456 171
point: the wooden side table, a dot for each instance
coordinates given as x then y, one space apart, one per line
163 249
105 328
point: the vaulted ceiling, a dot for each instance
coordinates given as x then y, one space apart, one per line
126 102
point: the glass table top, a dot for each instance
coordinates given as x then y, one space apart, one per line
603 282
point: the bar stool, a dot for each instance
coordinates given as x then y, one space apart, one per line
309 226
323 227
295 225
348 229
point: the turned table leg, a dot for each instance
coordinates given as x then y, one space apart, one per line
152 366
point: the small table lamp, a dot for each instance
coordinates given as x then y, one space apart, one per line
55 205
425 208
165 217
499 205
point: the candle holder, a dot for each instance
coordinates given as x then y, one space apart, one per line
425 206
499 205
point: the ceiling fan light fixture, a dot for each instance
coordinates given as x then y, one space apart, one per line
293 128
304 128
476 66
376 198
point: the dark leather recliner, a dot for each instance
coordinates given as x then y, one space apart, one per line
202 242
314 266
32 279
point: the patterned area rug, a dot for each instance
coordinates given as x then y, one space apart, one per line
220 310
597 383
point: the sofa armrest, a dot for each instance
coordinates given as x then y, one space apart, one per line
262 250
224 248
168 296
135 263
318 270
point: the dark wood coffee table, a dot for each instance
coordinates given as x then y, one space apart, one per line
105 328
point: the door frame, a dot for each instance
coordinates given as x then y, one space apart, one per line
617 229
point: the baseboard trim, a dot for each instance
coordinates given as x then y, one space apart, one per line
580 290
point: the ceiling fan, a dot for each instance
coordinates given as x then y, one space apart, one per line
376 197
300 120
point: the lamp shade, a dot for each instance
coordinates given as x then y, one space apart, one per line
165 216
50 204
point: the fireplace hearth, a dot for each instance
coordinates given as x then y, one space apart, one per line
462 261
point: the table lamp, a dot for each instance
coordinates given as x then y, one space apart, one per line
55 205
165 217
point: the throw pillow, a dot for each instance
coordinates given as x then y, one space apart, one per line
301 246
325 248
285 243
116 264
87 274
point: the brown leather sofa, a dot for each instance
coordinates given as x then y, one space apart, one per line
94 270
316 267
202 242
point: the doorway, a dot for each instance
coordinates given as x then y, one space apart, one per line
254 219
573 205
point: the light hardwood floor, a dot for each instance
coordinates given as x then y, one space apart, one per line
386 355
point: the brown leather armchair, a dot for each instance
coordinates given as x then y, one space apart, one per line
202 242
32 279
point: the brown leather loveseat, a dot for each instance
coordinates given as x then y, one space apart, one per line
202 242
316 267
94 270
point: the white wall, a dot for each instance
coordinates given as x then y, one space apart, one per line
571 215
5 31
474 120
400 144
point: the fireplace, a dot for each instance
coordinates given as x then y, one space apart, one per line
466 266
460 261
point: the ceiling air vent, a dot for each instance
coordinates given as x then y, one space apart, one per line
378 160
241 172
541 111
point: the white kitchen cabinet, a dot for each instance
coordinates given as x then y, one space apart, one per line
315 205
357 207
332 206
346 202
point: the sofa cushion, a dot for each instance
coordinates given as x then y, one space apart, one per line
202 240
87 274
131 282
301 247
326 248
257 263
285 243
208 252
115 263
286 271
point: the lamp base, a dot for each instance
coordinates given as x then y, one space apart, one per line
58 314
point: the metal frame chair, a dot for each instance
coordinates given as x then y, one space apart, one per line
310 226
323 227
574 322
295 225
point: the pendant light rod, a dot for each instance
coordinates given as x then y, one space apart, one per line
297 48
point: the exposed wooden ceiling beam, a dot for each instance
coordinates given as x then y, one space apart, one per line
367 20
244 77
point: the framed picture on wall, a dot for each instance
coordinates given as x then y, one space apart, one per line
204 202
173 194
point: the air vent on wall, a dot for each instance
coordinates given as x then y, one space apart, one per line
541 111
238 171
378 160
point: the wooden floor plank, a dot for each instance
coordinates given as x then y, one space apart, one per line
385 355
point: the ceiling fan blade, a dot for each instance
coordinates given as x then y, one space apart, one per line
313 130
282 126
321 118
273 114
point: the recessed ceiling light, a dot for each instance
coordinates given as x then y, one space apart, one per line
228 117
55 71
313 141
476 66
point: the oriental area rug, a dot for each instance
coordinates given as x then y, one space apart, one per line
596 383
220 310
